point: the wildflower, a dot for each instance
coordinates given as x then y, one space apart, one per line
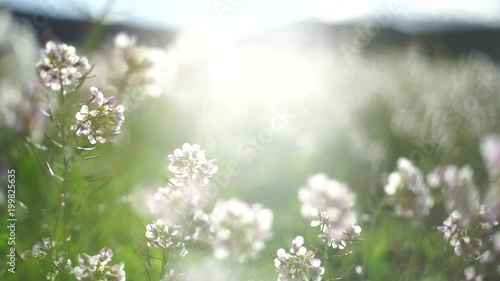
489 259
459 191
41 249
102 123
240 230
175 201
190 163
202 228
330 206
166 236
406 186
96 268
61 66
335 230
46 252
298 264
456 234
323 193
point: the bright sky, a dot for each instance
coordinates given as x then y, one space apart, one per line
242 17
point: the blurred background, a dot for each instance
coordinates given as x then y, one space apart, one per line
280 89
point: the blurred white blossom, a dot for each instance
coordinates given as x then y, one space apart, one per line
124 41
240 230
176 201
406 187
329 204
470 274
209 268
173 275
323 193
298 264
458 189
96 268
40 249
46 252
490 150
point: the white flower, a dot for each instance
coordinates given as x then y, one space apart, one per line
393 183
336 229
96 96
330 206
455 233
190 163
458 189
102 123
323 193
298 264
124 41
45 251
179 202
61 66
240 230
470 274
406 187
96 267
166 236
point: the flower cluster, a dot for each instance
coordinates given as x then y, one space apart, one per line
201 226
486 264
175 202
233 229
41 249
102 123
335 232
455 233
240 230
190 163
46 252
406 187
96 268
61 67
329 204
458 189
183 196
167 236
298 264
472 226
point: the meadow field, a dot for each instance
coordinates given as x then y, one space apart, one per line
210 160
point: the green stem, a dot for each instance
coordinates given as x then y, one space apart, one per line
374 221
164 263
60 223
325 256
